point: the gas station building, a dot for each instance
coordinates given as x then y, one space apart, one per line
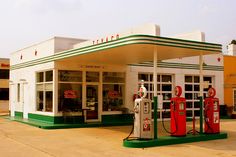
95 80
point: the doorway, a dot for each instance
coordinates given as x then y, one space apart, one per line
92 102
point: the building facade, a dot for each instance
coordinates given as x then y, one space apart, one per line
230 80
4 85
64 77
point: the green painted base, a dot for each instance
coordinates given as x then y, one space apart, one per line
46 125
58 122
169 140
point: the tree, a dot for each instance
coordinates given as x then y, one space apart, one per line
233 42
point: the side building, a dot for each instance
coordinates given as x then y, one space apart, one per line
4 85
230 80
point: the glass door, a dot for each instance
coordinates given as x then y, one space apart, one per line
92 102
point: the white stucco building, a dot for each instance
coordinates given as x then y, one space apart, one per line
95 80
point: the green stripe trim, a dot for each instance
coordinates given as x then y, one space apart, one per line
181 40
180 66
18 114
129 40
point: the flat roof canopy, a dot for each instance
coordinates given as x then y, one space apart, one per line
140 48
130 50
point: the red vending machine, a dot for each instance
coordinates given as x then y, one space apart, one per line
211 113
178 114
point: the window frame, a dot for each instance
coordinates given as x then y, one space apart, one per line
195 93
44 83
69 82
160 83
122 84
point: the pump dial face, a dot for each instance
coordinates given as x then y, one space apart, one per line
211 92
178 91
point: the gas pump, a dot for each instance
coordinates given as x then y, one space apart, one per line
178 114
211 113
143 115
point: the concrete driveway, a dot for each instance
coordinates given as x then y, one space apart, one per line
22 140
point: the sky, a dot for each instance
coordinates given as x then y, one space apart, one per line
25 22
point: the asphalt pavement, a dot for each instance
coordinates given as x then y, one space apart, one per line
22 140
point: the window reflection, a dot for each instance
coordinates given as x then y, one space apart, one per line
69 97
112 97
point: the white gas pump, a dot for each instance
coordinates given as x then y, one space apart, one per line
143 115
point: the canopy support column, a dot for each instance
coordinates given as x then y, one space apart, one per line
155 91
201 91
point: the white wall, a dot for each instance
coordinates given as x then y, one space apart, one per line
43 49
131 87
214 59
27 78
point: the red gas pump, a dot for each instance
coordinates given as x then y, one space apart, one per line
211 113
178 113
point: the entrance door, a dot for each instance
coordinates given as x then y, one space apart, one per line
92 102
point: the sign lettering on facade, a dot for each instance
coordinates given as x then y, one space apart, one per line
3 65
102 40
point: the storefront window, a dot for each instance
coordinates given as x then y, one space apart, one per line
92 76
44 88
113 91
70 90
70 76
112 97
69 97
113 77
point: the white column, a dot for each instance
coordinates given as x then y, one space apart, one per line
55 92
155 71
201 74
155 92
